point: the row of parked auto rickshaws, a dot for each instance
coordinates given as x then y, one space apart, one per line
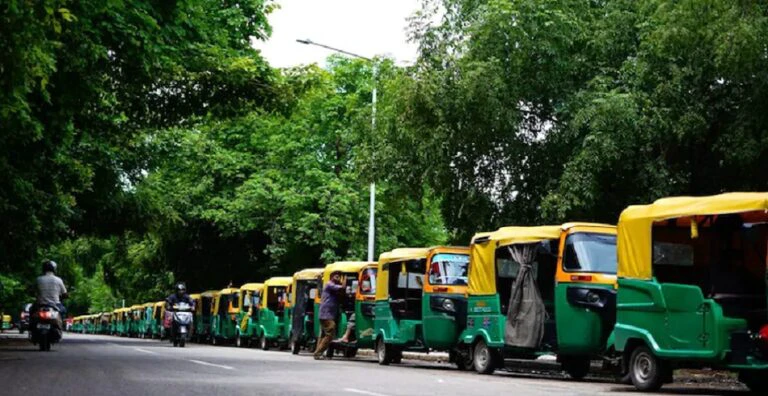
678 283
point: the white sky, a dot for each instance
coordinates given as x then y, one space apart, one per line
365 27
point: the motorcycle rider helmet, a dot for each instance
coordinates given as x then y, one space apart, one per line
181 289
49 266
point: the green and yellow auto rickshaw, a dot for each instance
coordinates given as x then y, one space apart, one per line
359 277
421 302
77 325
144 325
541 290
301 308
121 327
204 313
224 319
271 313
156 322
692 288
247 323
135 317
104 322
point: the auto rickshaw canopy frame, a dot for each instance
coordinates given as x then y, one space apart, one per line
635 241
482 255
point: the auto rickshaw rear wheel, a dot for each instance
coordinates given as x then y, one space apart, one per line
577 367
263 344
755 380
646 370
484 358
238 341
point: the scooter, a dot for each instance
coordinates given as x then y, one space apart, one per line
47 327
182 321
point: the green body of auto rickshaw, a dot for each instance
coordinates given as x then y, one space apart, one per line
271 313
420 299
204 313
358 305
105 321
144 327
692 288
541 290
301 309
247 322
224 319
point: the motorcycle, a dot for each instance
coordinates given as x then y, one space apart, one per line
47 327
182 322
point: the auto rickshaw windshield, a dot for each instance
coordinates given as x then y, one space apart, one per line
449 269
590 252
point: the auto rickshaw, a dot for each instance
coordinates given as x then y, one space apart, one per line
104 319
156 323
247 329
541 290
300 314
123 323
5 322
204 315
692 288
75 325
135 315
360 301
224 319
272 329
421 303
144 325
196 300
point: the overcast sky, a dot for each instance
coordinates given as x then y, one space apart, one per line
364 27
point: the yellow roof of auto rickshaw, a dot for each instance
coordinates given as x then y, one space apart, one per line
308 273
345 267
158 303
482 271
194 296
210 293
148 305
634 244
278 281
252 287
229 290
135 306
400 254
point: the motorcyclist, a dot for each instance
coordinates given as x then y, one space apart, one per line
180 295
50 290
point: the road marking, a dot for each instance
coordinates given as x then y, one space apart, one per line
145 351
211 364
362 392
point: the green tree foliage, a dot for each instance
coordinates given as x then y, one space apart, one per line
82 83
524 111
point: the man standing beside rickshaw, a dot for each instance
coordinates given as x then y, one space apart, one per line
329 307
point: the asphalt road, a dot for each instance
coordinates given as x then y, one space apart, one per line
101 365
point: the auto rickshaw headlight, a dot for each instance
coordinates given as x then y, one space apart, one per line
448 305
593 297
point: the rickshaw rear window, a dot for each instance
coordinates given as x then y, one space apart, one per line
449 269
590 252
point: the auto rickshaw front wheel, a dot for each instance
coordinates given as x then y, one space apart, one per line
646 370
755 380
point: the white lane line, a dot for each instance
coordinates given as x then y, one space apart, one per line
362 392
145 351
211 364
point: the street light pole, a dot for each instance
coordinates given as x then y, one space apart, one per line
372 209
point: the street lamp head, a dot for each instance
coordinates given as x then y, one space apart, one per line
305 41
